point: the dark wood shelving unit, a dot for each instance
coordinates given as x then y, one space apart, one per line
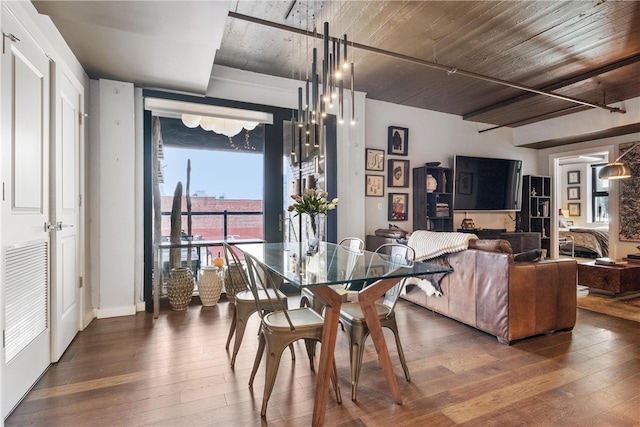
433 210
537 208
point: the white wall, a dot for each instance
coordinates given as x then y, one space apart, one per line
437 137
114 179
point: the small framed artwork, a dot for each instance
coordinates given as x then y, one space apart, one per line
375 160
375 185
574 209
573 193
573 177
398 173
398 206
398 141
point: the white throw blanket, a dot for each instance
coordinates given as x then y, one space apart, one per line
429 244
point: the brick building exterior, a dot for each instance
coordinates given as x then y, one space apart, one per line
211 226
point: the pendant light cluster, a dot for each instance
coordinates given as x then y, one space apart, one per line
327 76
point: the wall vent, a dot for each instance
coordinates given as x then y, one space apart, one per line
26 295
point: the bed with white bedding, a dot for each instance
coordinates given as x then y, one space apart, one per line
584 242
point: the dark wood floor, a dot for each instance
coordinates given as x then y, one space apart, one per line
174 371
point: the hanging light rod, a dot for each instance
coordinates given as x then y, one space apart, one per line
450 70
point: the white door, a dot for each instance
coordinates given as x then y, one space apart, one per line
65 295
25 211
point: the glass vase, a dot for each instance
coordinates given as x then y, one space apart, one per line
315 232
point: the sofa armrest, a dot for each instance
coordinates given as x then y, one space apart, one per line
542 297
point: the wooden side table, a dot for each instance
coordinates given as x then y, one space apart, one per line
616 279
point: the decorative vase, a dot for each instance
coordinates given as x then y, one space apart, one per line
314 233
210 285
180 288
432 184
234 281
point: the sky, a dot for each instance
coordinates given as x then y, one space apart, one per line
228 174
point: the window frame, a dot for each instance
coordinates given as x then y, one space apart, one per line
597 192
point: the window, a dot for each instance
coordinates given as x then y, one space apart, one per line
226 181
599 196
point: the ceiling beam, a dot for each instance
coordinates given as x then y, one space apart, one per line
448 69
560 84
591 136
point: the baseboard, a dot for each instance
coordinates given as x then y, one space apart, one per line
141 306
116 312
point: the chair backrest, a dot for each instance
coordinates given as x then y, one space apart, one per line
352 243
354 247
262 279
399 255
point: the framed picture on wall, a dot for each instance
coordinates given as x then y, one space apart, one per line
374 160
398 141
374 185
573 193
398 173
574 209
573 177
398 206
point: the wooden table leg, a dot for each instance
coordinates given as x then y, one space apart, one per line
325 364
367 298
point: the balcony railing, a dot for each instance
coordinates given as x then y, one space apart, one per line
249 228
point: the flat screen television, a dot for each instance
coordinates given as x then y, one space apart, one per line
486 184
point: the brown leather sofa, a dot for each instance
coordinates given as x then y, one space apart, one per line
511 300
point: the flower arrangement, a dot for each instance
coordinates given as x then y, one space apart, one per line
312 202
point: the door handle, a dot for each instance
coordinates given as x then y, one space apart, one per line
48 227
60 225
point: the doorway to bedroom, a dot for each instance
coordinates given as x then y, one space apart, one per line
582 204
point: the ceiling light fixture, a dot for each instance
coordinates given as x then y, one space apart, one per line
617 169
228 127
335 67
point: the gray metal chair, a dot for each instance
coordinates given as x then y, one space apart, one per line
243 300
352 317
280 329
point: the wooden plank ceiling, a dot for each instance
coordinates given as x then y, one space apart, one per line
589 50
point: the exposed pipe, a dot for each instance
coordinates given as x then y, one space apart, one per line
448 69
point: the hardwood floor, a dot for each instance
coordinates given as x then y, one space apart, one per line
174 371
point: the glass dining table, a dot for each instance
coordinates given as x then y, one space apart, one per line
334 265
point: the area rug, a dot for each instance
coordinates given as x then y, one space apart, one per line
626 306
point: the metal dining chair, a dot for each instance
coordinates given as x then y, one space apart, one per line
280 329
352 317
352 244
243 300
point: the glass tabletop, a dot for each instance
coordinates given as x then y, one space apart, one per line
333 264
